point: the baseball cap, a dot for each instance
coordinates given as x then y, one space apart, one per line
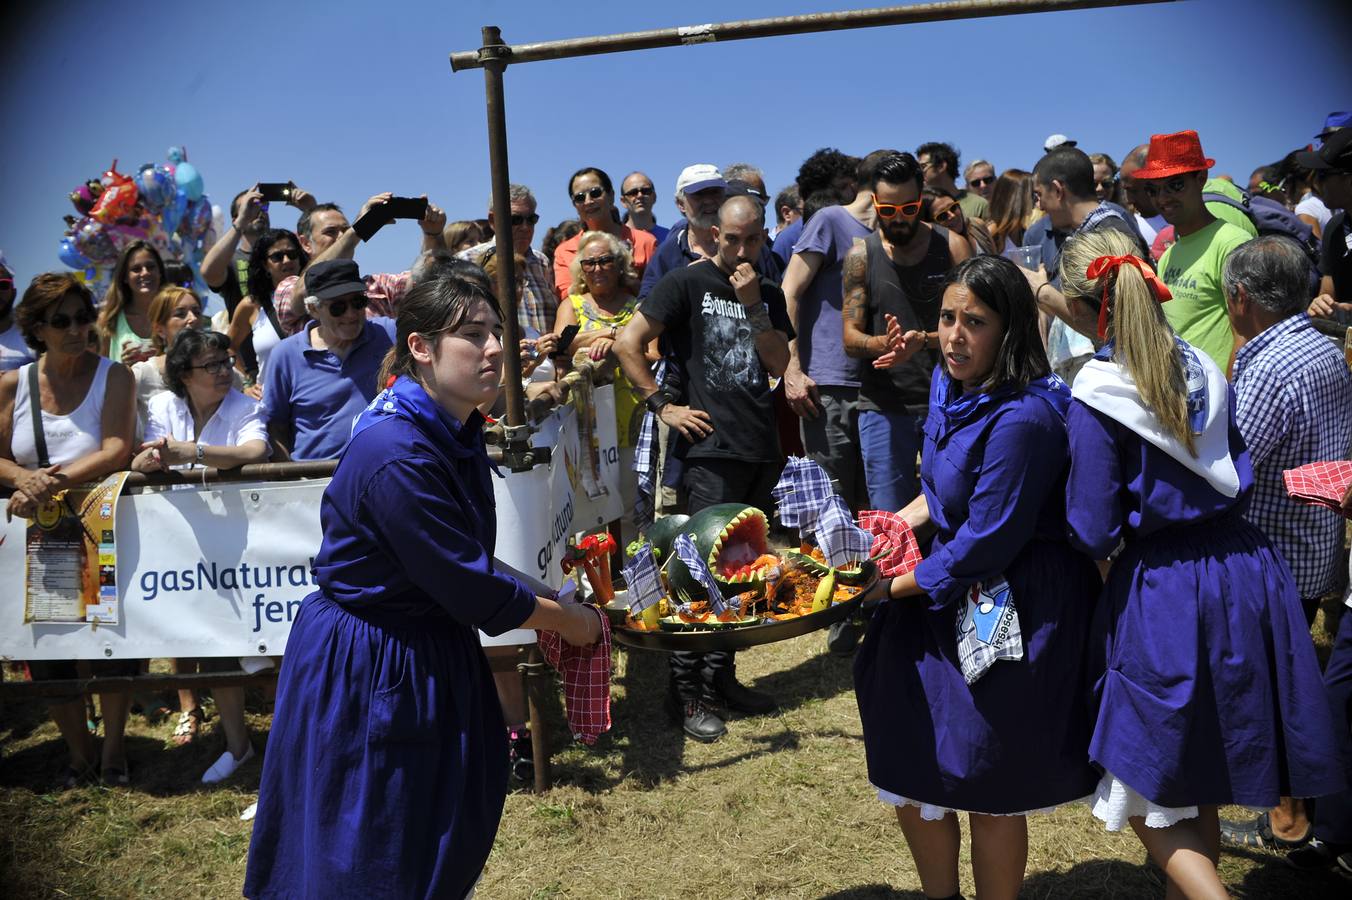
699 177
1057 140
1336 153
334 278
1334 121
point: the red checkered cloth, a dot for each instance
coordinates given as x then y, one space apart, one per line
1321 484
586 680
894 545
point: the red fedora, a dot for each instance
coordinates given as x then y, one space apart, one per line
1173 154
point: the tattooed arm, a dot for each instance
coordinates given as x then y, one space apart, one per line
854 307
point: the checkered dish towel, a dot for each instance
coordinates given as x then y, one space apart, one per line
988 629
802 492
841 540
1321 484
640 576
894 545
586 680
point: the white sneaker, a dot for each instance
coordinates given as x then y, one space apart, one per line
224 767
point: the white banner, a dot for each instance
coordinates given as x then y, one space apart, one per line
222 571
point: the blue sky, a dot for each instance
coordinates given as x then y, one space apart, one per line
349 99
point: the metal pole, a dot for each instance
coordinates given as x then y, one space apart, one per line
493 57
781 25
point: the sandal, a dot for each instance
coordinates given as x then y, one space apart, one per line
189 724
1257 833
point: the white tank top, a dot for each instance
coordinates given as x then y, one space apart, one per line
69 437
265 337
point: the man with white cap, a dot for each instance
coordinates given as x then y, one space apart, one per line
700 191
1057 140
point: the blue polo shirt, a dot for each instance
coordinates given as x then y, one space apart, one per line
319 393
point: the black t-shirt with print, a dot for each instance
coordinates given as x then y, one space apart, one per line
1335 258
710 338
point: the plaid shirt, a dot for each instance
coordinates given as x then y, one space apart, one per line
538 301
1293 405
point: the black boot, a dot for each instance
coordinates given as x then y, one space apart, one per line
695 718
737 696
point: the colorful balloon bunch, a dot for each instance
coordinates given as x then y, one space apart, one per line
163 204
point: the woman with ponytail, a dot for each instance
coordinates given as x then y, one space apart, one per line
386 768
1208 688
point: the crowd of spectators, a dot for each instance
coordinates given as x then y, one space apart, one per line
748 329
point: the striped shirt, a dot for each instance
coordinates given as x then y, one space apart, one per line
1293 405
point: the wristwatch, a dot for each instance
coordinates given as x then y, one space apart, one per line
201 453
656 400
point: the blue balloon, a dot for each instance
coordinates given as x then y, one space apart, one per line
70 256
156 186
173 212
197 220
189 180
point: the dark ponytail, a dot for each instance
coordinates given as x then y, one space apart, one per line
437 303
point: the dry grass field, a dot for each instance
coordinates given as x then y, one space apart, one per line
779 808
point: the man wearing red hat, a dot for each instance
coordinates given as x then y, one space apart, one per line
1173 175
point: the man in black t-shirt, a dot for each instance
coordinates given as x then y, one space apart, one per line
1332 166
729 332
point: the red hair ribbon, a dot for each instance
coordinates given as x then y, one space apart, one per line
1105 265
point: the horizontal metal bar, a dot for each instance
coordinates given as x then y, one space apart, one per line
772 27
130 683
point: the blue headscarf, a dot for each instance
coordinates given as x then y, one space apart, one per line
958 407
406 399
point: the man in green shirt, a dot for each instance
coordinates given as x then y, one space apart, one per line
1173 176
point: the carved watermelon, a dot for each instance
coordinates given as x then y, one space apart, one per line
729 536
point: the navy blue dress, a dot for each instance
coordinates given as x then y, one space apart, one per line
993 472
1208 689
386 768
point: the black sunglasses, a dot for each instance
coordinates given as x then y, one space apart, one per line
340 307
279 255
518 220
982 182
639 192
216 366
597 262
591 193
61 321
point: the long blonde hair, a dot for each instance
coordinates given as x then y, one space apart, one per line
1144 341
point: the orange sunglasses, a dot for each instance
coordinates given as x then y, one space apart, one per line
890 210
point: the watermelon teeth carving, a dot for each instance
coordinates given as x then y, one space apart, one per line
730 537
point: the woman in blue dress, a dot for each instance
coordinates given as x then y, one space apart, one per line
960 713
386 768
1209 692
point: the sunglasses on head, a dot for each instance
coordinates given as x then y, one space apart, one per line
890 210
591 193
598 262
982 182
61 321
216 366
279 255
340 307
518 220
639 192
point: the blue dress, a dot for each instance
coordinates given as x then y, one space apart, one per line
993 472
1208 690
386 768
